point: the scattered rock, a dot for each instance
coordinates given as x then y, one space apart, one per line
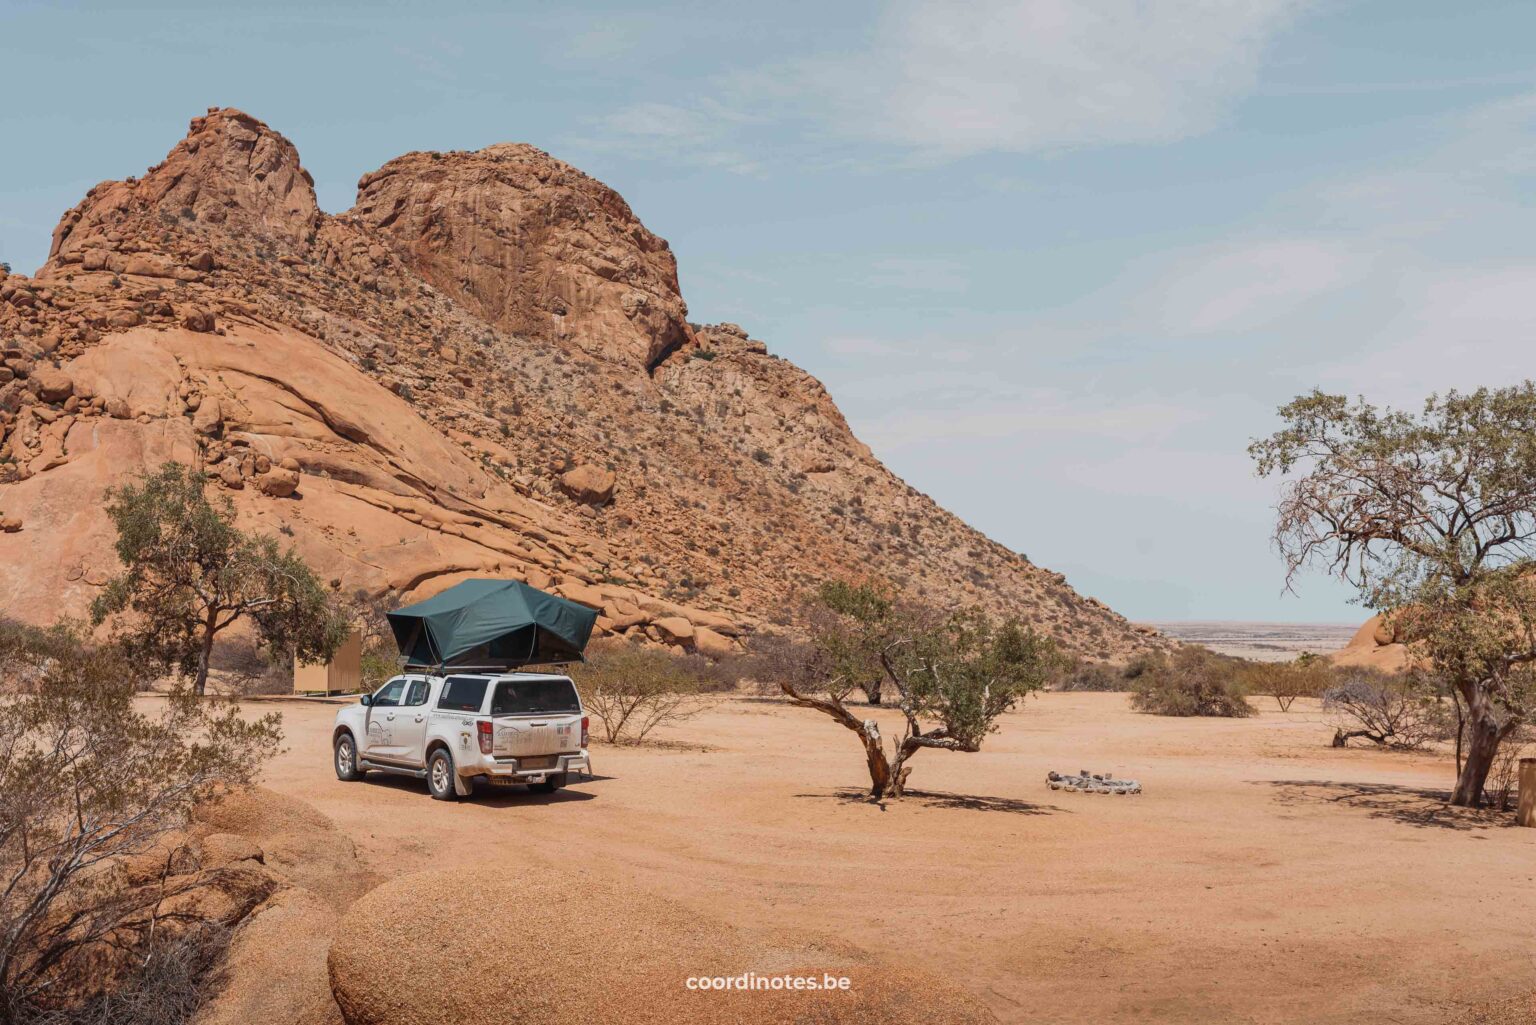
53 384
278 482
196 319
208 419
588 484
1086 782
675 628
712 645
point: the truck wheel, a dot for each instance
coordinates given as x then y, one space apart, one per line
554 781
440 775
346 758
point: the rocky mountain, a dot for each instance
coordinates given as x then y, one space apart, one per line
485 367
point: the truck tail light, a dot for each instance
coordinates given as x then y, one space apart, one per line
585 721
487 739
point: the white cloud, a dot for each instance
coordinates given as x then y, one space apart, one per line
1252 285
1458 328
942 80
954 79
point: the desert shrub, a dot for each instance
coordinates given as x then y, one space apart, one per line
1287 681
1399 711
167 984
633 690
1143 664
1504 778
86 780
1094 676
1195 682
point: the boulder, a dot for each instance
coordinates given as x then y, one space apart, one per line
53 384
582 594
675 628
275 970
196 319
712 645
630 967
588 484
277 482
219 849
208 418
10 524
229 473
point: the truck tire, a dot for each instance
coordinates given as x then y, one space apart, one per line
440 775
345 758
554 781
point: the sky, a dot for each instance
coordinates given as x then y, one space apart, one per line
1059 261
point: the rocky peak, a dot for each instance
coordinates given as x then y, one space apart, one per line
534 246
230 171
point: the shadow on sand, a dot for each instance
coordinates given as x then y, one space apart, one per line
494 796
1412 806
940 799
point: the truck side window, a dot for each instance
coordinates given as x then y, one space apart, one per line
462 694
389 694
417 694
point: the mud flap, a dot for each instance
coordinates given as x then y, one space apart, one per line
461 786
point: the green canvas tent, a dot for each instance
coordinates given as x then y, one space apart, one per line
491 624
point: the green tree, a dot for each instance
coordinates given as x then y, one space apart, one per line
190 574
1432 517
954 675
854 618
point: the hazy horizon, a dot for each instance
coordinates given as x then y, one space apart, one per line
1058 263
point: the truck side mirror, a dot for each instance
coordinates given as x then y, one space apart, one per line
366 699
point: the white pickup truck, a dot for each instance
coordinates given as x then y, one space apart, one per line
500 728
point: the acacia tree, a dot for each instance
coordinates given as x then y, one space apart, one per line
953 675
190 573
1431 517
851 619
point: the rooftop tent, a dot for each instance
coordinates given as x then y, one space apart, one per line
492 623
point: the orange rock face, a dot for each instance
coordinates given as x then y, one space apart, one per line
531 245
1374 646
484 368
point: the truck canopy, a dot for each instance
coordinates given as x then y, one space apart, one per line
492 624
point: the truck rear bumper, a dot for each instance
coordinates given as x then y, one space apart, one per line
511 771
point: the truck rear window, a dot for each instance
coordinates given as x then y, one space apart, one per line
463 694
534 697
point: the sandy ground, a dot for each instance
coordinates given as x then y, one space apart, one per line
1262 877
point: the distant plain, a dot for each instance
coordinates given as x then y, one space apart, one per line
1263 642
